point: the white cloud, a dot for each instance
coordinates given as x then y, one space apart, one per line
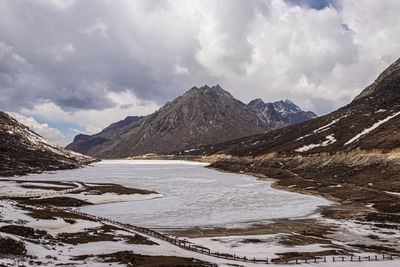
88 130
224 47
99 29
11 61
376 30
289 52
43 129
181 70
60 52
56 4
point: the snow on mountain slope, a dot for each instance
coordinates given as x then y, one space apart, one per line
23 151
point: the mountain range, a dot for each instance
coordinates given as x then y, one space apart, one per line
370 121
350 155
204 115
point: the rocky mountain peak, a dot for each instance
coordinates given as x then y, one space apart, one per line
214 87
258 102
81 137
204 87
284 111
282 106
205 93
286 106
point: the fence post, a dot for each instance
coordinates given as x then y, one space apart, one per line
333 259
324 259
359 258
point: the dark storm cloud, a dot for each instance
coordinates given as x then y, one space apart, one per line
74 54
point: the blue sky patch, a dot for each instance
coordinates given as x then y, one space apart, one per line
315 4
345 26
62 126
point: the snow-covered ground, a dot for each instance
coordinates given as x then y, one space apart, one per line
192 195
60 226
262 246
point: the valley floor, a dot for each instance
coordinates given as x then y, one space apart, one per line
34 232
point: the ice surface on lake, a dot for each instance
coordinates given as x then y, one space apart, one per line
193 195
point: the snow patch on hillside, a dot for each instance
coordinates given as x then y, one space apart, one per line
330 139
370 129
326 127
393 193
322 128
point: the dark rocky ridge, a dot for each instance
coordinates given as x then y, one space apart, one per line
23 151
201 116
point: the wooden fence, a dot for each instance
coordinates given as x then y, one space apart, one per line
203 250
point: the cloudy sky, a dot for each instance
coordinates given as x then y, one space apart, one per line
70 66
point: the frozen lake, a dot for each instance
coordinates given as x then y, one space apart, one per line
193 195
